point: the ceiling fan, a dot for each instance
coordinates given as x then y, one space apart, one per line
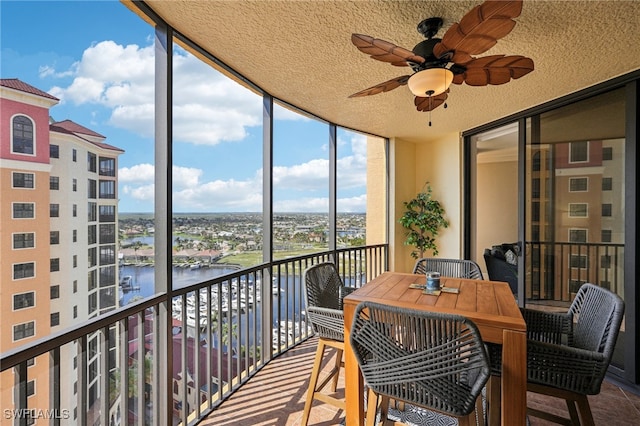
436 63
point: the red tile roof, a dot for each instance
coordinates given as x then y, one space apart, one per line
76 128
14 83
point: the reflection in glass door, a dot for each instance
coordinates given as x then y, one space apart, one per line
494 194
575 165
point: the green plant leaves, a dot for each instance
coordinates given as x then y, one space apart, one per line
423 218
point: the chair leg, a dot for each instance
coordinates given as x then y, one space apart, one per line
479 413
315 373
573 413
334 383
586 418
493 400
372 408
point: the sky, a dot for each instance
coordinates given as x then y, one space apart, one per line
97 57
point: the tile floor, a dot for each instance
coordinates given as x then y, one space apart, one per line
276 395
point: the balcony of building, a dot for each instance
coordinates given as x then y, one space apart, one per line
250 350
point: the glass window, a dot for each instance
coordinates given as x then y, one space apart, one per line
605 261
75 311
92 256
107 189
23 300
54 237
24 270
23 180
605 235
107 213
607 184
75 260
54 183
54 264
92 279
578 210
74 210
74 155
92 234
74 185
606 210
23 210
107 255
578 184
107 234
74 235
54 292
578 235
75 286
92 212
54 210
92 301
579 152
91 162
22 137
24 240
54 151
535 187
107 166
578 261
92 188
22 331
607 153
55 319
108 276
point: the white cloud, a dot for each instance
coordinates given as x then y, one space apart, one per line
140 173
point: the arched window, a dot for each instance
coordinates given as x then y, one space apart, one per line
22 135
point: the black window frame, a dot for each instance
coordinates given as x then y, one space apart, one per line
22 135
23 180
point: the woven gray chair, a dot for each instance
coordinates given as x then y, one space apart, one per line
428 359
457 268
324 292
568 353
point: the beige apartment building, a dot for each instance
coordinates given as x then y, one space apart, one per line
58 236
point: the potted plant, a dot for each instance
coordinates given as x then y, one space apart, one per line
422 219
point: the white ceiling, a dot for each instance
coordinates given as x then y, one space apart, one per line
301 52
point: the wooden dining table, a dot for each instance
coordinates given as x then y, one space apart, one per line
489 304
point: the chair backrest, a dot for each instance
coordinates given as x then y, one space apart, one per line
431 359
500 270
457 268
323 289
597 314
323 284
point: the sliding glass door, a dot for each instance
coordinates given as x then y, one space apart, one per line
550 188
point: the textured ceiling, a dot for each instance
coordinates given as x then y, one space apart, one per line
300 52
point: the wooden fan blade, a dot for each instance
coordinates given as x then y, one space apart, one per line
424 104
479 29
385 51
383 87
494 70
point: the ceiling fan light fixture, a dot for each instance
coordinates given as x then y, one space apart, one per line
430 82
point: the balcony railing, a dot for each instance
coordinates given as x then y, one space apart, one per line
557 269
216 335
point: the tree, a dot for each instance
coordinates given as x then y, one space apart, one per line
422 219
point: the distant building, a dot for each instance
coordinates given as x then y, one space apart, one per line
58 233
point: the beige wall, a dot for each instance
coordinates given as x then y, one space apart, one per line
497 206
410 168
376 191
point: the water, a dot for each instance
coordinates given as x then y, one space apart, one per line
142 279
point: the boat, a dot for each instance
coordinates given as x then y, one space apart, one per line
126 283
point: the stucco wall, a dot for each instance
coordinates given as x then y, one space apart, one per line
411 167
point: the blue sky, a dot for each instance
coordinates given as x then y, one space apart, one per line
97 58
